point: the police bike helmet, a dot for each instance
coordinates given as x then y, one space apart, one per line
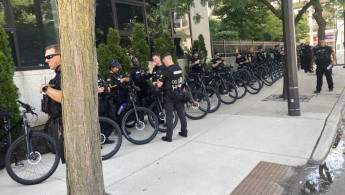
195 51
114 63
261 46
277 45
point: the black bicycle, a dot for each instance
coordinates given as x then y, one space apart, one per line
28 159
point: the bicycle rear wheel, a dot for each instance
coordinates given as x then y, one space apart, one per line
161 115
199 108
228 94
214 98
144 130
36 167
111 137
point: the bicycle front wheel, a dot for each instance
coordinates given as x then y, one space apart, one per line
34 166
111 137
199 108
145 125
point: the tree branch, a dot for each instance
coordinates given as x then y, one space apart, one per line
270 7
301 12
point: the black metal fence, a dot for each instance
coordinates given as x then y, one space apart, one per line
229 48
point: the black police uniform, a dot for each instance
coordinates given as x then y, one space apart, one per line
323 60
55 114
156 72
277 55
241 59
252 56
172 81
102 98
220 65
306 57
138 79
196 68
261 56
118 94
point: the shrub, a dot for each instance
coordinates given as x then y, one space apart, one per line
140 47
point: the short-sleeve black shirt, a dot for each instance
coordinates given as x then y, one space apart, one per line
219 67
323 55
156 72
241 59
113 81
136 76
171 78
197 68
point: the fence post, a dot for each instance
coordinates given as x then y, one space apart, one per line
240 46
224 48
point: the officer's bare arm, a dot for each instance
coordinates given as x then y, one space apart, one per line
159 83
53 93
333 55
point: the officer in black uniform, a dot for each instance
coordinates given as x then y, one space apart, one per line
195 63
138 78
306 56
54 94
240 60
261 54
324 64
251 56
118 93
156 68
217 62
171 82
278 53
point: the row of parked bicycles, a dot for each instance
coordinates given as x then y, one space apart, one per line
32 157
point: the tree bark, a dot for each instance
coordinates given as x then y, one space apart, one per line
79 97
317 15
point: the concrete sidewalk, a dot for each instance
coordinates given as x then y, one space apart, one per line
220 149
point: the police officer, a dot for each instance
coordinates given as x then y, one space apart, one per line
171 81
324 64
261 54
53 92
217 62
195 63
118 93
278 53
138 77
251 56
156 68
240 60
306 56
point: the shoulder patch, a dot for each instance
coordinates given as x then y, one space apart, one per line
108 79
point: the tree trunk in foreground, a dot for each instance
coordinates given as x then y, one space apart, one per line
79 97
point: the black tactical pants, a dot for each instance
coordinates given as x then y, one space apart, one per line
320 71
171 102
57 132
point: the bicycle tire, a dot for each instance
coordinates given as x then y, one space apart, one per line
230 94
214 98
161 119
109 131
253 85
201 111
241 87
19 166
2 159
141 132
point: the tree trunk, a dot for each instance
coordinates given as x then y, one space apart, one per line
321 22
79 97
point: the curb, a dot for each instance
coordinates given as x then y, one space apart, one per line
329 132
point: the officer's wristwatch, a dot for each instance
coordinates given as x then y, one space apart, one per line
44 89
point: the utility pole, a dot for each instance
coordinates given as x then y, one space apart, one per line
290 59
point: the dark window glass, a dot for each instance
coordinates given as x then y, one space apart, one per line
11 45
2 14
128 15
181 25
182 45
104 20
36 27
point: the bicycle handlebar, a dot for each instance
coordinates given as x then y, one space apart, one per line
27 107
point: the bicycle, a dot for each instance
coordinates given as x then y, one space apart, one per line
157 106
28 159
110 133
197 103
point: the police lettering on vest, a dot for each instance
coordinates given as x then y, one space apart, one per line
172 78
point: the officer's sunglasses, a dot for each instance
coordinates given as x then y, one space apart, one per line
48 57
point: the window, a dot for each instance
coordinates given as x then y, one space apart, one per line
128 15
104 20
181 33
2 14
35 28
